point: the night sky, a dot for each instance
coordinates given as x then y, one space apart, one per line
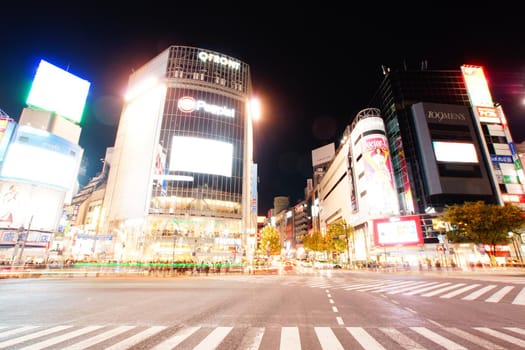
312 67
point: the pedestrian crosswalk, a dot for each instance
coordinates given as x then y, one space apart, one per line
489 293
112 337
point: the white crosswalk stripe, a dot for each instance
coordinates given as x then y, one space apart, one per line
459 291
176 339
99 338
137 338
503 336
494 298
520 298
252 338
479 292
443 290
6 344
327 338
401 339
214 338
438 339
61 338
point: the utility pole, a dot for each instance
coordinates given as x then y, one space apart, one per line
21 255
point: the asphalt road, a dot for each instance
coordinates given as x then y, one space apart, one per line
317 310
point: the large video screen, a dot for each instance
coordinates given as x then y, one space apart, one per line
38 156
200 155
59 91
455 152
403 230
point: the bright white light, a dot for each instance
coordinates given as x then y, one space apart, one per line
455 152
58 91
201 156
140 88
254 108
24 162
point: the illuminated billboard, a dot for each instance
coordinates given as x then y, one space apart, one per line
23 204
200 155
378 174
455 152
402 230
7 126
477 86
37 156
59 91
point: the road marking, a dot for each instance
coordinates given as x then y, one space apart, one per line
520 298
327 339
420 290
365 339
22 339
334 309
499 294
409 284
176 339
252 339
401 339
289 338
459 291
99 338
478 293
502 336
213 339
128 342
409 288
474 339
15 331
339 320
438 339
441 290
61 338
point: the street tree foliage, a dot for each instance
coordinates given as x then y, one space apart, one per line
270 239
340 234
481 223
334 240
314 242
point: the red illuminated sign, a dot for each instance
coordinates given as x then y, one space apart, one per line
401 230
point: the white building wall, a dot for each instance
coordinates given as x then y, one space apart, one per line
132 165
335 190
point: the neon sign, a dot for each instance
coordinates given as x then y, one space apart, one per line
188 104
221 60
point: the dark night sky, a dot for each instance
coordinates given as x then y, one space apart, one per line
314 67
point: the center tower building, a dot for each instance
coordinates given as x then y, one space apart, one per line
180 184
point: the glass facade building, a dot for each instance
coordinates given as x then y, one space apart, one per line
180 182
399 92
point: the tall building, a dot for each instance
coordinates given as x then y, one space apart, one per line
181 180
39 164
437 150
436 139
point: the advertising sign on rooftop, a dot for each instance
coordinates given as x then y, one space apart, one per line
59 91
477 86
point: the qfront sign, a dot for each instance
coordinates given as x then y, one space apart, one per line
188 104
220 60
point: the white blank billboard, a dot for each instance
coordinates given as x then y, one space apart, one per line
199 155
